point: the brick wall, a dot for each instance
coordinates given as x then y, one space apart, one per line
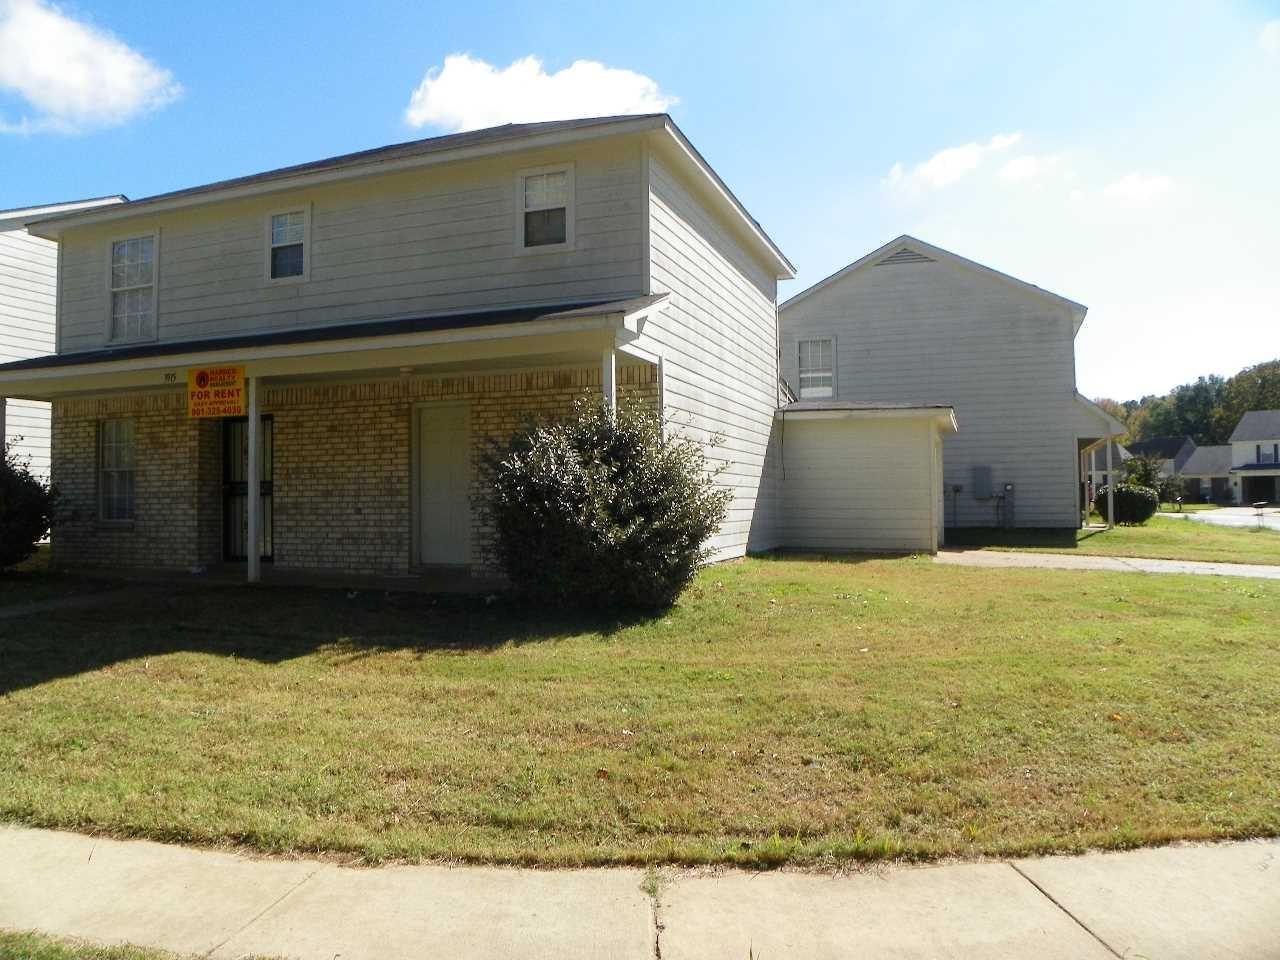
167 480
342 472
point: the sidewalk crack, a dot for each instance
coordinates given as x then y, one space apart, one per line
1080 923
260 914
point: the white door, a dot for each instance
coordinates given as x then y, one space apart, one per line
444 484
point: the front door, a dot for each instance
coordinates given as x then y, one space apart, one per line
235 488
444 484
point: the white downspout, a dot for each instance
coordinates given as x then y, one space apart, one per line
1111 486
253 478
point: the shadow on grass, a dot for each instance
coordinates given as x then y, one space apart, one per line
271 624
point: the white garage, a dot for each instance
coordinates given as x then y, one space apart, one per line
859 476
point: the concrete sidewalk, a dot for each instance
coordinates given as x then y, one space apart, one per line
1006 559
1176 902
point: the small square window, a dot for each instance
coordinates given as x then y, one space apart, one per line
288 255
545 198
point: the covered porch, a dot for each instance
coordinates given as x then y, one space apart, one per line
353 450
1096 433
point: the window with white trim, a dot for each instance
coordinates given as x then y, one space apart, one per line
546 208
817 374
133 289
288 245
117 458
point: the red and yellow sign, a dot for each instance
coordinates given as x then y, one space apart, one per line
216 392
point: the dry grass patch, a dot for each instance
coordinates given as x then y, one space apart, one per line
784 711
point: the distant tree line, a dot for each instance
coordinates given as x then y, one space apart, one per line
1207 410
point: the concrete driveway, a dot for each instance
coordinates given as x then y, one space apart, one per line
1235 517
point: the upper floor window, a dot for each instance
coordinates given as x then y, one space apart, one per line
546 208
288 245
817 373
117 458
133 289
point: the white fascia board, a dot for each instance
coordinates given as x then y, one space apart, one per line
726 199
944 418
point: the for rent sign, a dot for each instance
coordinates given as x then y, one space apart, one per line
216 392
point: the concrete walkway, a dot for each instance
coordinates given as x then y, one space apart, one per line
1071 561
1219 901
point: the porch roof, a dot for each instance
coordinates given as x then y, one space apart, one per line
545 330
344 331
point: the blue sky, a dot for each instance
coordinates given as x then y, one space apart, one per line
1123 155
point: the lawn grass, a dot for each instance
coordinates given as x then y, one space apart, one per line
37 946
1160 537
34 946
784 711
1188 507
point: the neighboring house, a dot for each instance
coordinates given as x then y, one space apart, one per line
1255 456
28 289
911 323
1172 452
1207 473
391 312
1096 464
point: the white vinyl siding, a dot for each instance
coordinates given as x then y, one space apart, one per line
28 288
816 374
717 338
132 278
859 485
411 244
1003 357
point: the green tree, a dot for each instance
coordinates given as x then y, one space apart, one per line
1254 388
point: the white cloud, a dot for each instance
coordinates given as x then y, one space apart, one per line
1028 166
467 94
948 166
1138 188
73 75
1269 39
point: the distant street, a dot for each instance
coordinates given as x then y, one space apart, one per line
1238 517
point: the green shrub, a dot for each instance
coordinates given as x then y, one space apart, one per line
1134 504
594 511
26 509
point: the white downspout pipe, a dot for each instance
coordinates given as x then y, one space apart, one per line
253 478
609 381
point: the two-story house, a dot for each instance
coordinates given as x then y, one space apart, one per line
28 289
305 364
911 323
1255 456
1172 452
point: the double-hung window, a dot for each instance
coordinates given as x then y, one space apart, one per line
546 208
133 289
117 458
287 256
817 373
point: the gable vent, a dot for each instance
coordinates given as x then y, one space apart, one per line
904 255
